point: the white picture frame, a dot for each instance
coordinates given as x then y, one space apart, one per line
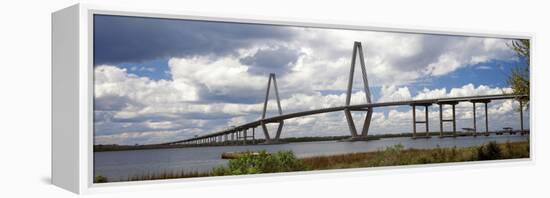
72 95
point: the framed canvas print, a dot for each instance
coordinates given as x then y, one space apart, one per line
161 96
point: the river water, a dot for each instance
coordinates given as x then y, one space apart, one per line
120 165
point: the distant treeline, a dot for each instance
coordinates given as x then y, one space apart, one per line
116 147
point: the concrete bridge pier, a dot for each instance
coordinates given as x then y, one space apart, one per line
245 136
279 130
426 119
239 137
268 139
485 102
453 119
236 141
254 135
226 138
486 120
266 133
474 118
521 117
351 124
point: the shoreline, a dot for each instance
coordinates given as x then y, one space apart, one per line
391 156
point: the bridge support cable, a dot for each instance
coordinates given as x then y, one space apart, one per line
268 139
357 48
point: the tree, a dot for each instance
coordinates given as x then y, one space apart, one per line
519 78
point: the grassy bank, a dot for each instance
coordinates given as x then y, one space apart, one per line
286 161
397 155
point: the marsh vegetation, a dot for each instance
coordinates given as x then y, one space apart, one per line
257 162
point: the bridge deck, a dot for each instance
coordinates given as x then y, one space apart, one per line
279 118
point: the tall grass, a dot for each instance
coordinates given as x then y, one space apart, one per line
168 175
397 155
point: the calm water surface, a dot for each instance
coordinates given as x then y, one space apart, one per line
120 165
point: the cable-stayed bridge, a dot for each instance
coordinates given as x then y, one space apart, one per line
247 131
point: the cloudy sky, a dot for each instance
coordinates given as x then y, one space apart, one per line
159 80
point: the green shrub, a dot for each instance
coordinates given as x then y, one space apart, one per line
261 162
490 151
220 171
100 179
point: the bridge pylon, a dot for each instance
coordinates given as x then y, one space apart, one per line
268 139
357 48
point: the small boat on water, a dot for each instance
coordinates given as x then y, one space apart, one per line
234 155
